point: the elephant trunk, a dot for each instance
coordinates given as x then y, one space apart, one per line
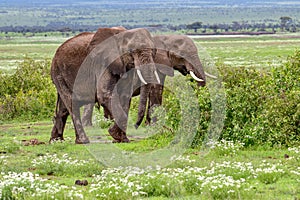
146 71
144 94
145 66
195 69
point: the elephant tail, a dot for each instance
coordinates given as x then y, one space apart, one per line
56 108
57 101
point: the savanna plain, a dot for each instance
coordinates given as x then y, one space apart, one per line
256 155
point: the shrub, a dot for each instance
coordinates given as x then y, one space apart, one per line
262 108
28 93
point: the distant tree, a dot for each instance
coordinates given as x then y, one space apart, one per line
236 26
262 27
226 27
285 21
293 28
195 26
214 27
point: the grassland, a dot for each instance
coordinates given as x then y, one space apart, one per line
255 51
237 51
227 171
14 48
31 168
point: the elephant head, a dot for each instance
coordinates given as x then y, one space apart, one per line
137 49
180 53
173 52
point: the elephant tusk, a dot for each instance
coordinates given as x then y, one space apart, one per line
195 77
157 77
141 77
210 76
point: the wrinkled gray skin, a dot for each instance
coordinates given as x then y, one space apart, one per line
172 52
85 70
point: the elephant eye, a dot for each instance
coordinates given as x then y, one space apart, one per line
130 50
179 59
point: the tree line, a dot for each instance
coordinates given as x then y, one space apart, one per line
284 24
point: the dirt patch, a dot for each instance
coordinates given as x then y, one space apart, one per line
107 139
32 142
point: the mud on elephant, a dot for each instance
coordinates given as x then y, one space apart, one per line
86 68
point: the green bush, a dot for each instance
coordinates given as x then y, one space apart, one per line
28 93
262 106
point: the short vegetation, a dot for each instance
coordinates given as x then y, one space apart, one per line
188 177
29 93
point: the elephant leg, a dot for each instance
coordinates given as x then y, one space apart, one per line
118 129
155 99
107 111
60 119
118 134
65 95
81 137
87 115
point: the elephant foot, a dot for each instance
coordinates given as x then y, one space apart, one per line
118 135
120 138
54 139
136 126
126 140
83 140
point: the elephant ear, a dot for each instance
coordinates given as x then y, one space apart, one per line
104 48
117 67
162 60
164 69
181 46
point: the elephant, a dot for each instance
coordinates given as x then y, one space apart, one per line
173 52
177 52
86 68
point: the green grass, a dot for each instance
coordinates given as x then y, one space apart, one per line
247 168
15 48
255 51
